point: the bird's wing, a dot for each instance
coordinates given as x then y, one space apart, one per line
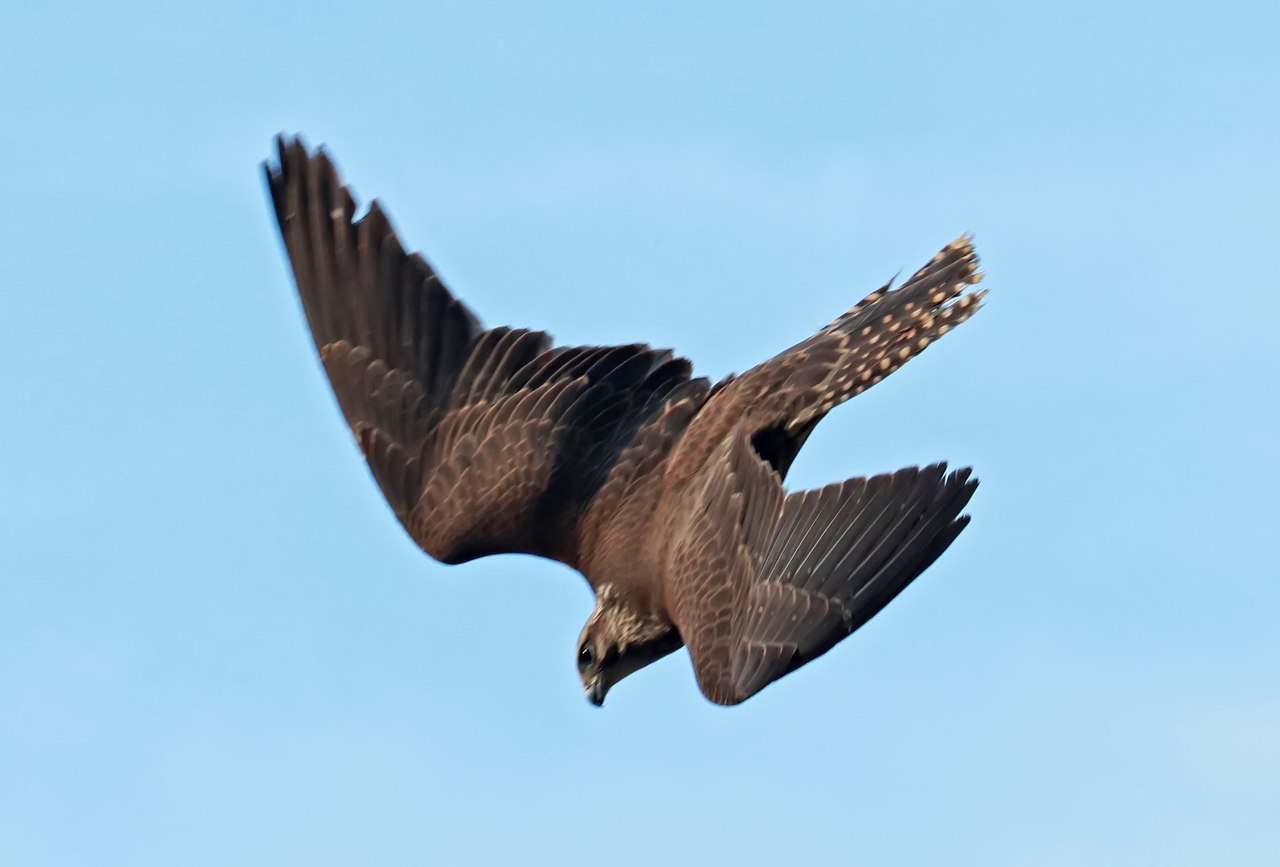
764 582
779 401
483 441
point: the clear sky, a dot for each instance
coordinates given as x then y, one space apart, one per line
218 647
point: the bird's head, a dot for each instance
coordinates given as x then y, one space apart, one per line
618 640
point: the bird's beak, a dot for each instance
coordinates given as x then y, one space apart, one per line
596 690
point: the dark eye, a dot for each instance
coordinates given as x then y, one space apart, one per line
586 657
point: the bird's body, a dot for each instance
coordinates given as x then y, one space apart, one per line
664 491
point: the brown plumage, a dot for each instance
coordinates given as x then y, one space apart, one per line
665 492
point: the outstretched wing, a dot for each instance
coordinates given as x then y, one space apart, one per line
483 441
763 583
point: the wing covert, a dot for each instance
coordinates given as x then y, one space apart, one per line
482 441
764 582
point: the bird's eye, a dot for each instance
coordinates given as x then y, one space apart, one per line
585 656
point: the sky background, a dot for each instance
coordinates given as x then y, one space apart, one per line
218 647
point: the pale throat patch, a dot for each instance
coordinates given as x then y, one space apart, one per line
628 626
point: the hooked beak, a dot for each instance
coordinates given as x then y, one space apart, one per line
596 690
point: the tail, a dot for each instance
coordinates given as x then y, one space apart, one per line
779 401
891 326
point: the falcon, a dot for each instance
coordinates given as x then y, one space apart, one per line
663 490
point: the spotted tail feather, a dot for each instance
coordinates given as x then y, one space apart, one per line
889 327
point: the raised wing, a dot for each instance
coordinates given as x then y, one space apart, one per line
763 583
483 441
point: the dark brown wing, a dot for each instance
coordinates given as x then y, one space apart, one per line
779 401
483 441
764 583
718 547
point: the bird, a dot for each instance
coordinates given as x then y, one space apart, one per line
664 490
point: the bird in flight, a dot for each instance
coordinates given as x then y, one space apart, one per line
663 490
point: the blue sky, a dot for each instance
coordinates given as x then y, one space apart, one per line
218 647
